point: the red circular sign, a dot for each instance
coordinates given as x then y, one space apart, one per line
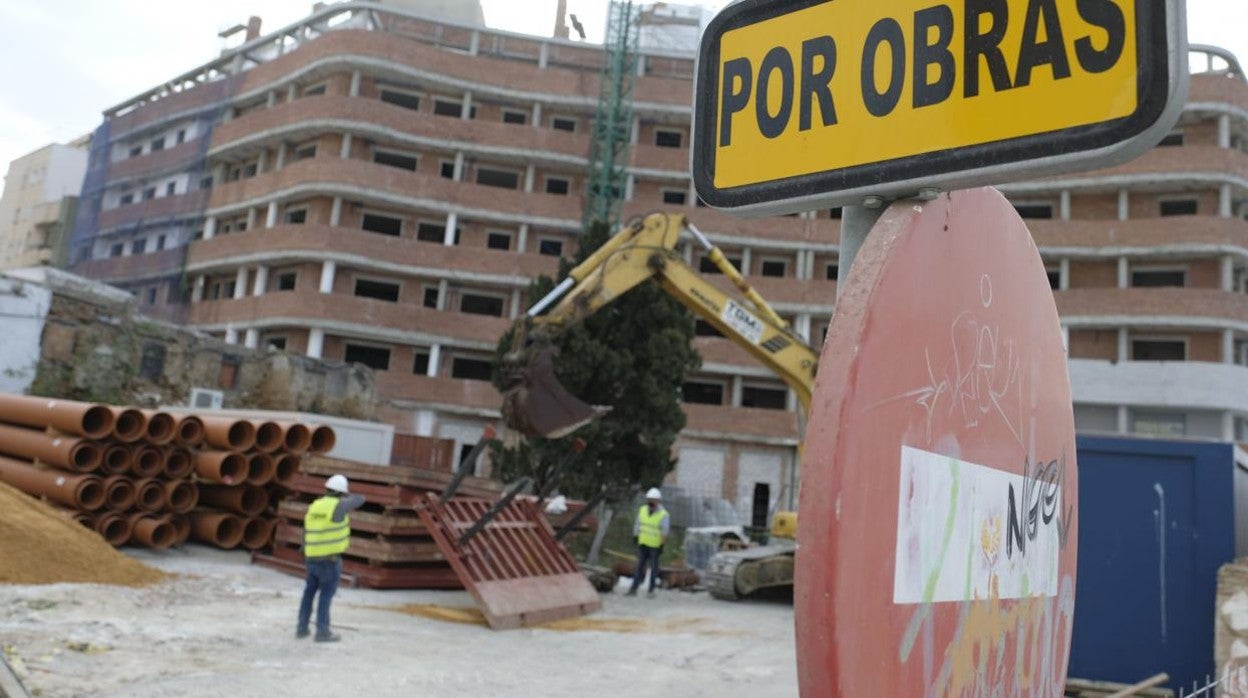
937 539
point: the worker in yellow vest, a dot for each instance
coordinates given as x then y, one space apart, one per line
650 529
326 535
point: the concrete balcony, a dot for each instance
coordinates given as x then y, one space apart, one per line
134 267
1170 384
179 205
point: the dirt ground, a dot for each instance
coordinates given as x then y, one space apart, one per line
225 627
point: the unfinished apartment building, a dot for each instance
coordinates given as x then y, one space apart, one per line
380 187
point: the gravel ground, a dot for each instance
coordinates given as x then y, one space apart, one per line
226 628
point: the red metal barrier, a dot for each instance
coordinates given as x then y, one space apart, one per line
516 571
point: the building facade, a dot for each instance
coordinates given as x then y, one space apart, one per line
39 203
378 187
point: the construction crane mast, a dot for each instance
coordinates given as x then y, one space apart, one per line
613 120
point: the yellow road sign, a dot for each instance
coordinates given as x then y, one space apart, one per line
808 103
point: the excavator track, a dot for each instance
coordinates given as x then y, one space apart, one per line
734 574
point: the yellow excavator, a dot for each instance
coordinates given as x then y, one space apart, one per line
536 404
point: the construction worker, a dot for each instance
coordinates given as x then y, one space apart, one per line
326 535
650 531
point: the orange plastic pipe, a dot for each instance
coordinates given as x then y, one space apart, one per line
217 528
247 500
220 466
235 435
129 424
66 452
258 533
67 416
114 527
190 431
179 463
269 436
160 427
260 468
85 518
180 496
296 437
76 491
116 460
149 494
286 467
181 527
148 461
323 439
151 531
119 492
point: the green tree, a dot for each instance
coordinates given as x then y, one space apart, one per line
632 355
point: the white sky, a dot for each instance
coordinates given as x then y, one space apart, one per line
65 61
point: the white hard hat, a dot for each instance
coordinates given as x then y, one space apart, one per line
654 493
337 483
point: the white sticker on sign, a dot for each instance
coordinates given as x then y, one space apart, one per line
966 532
743 321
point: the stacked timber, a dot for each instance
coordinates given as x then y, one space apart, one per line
390 546
152 478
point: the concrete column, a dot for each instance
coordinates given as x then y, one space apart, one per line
270 218
251 339
1066 339
261 282
1064 274
635 133
641 65
1224 131
240 283
1124 272
263 161
281 156
745 261
1228 346
530 173
630 187
522 237
691 198
1124 348
1124 422
790 401
1228 426
270 100
345 151
231 335
452 221
474 43
328 269
335 211
801 325
1124 205
543 55
316 343
537 109
800 264
251 217
210 227
738 385
1228 273
444 292
292 92
810 264
1064 205
465 109
227 115
354 89
435 357
515 304
197 292
458 173
1224 201
218 173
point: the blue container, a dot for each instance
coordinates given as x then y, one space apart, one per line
1156 521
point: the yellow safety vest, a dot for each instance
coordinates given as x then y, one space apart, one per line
322 536
650 526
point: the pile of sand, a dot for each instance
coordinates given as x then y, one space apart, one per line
38 545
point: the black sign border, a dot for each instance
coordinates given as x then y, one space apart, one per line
1154 83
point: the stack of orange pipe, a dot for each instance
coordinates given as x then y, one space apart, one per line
136 476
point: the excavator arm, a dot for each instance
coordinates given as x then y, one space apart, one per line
537 405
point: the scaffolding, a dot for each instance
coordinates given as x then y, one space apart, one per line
613 120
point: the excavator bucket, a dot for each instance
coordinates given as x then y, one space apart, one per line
535 403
